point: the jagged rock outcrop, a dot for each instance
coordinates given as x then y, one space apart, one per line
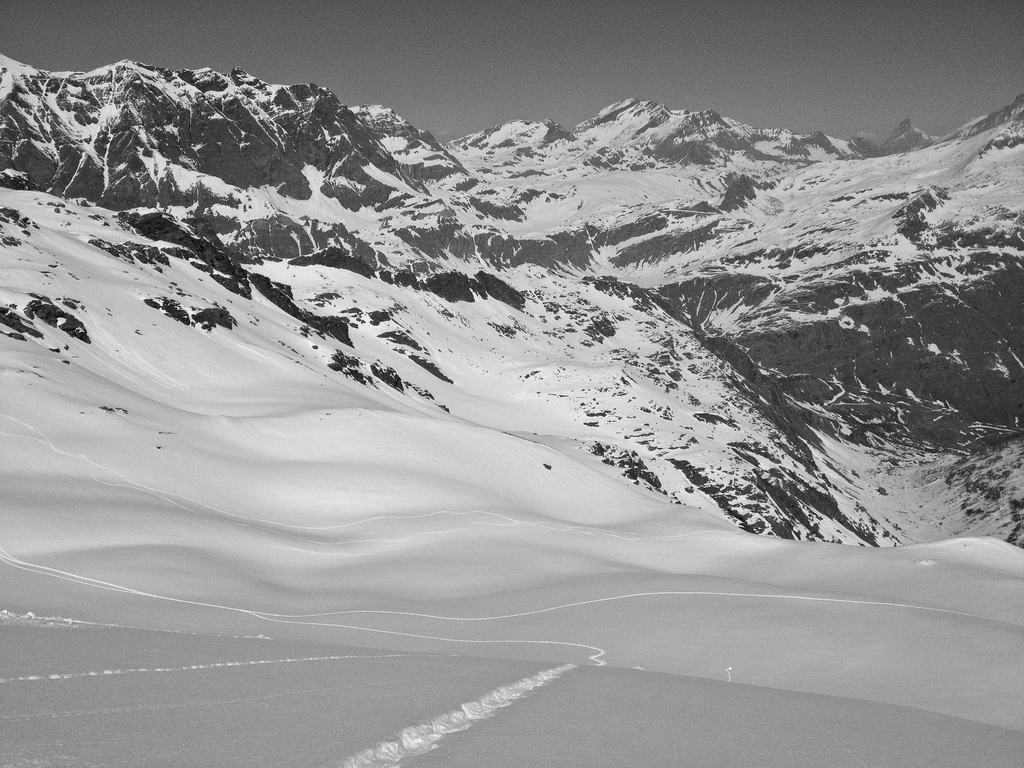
906 137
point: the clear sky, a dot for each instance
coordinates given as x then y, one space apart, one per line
858 66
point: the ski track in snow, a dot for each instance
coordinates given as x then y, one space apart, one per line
597 657
68 713
594 653
13 562
190 668
420 739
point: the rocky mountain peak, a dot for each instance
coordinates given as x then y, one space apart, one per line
131 134
15 67
240 77
906 137
556 132
515 134
625 119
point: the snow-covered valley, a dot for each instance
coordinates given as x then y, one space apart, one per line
412 424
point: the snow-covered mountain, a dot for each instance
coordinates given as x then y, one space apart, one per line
642 135
273 361
905 138
788 263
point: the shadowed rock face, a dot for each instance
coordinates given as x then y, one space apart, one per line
121 136
925 360
418 152
205 250
987 488
904 138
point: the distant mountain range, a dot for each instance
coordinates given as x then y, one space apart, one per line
783 329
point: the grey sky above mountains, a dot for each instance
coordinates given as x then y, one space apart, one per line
458 67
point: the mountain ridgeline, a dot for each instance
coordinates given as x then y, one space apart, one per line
755 321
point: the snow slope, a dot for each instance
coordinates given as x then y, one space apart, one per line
194 699
409 409
226 481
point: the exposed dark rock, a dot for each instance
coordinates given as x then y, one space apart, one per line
644 225
600 328
9 319
429 365
213 316
274 238
13 216
555 133
643 300
633 467
337 258
403 278
171 308
698 298
388 375
864 147
949 235
1009 114
905 138
911 217
573 248
714 418
235 128
769 396
16 180
783 498
43 309
132 252
726 498
1005 140
494 287
739 191
658 247
505 330
402 338
937 346
208 255
348 365
451 286
498 210
279 294
434 161
986 483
